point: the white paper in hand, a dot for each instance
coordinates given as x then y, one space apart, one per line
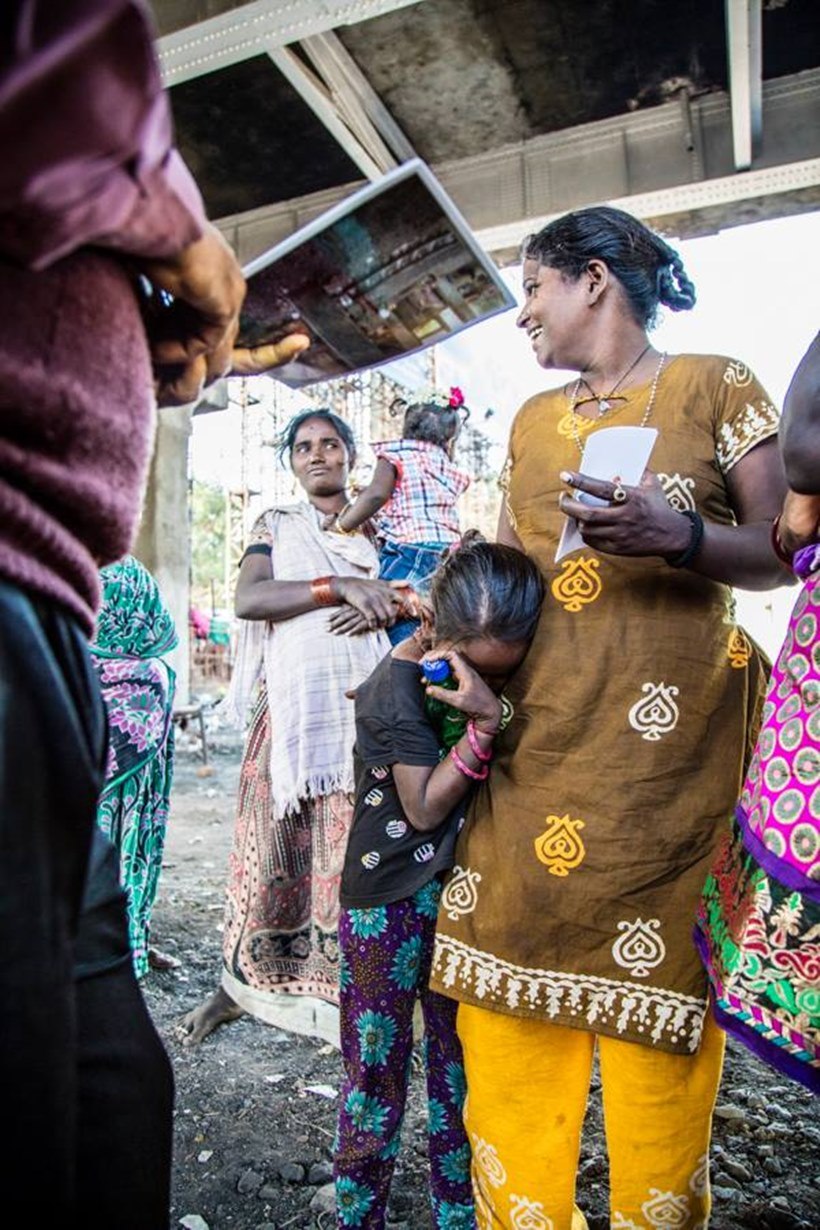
614 454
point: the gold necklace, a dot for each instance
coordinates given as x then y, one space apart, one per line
604 400
576 435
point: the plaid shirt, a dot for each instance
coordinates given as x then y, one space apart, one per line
422 507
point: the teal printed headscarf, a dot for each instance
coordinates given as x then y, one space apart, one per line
133 622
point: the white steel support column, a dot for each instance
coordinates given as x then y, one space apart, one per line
744 45
354 132
353 92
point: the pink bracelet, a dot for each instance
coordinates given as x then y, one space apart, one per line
477 775
476 748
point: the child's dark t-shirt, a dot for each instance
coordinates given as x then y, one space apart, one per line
387 859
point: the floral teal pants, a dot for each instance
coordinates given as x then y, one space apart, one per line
386 953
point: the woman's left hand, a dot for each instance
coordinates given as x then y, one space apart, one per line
634 521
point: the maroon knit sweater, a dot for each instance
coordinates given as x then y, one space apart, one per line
94 179
76 422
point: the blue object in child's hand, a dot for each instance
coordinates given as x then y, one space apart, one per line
436 670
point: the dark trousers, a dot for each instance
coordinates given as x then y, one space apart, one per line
86 1084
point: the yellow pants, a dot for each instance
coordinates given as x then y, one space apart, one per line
527 1087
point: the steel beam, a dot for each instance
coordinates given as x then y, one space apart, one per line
352 90
371 162
640 160
252 29
744 48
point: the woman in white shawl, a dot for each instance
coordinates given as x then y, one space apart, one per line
280 952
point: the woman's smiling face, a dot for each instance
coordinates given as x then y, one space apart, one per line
554 311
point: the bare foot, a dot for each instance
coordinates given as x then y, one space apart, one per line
162 960
217 1010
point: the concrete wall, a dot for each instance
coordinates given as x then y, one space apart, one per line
164 539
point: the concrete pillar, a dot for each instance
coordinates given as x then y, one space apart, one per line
164 538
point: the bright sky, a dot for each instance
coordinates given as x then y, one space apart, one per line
758 301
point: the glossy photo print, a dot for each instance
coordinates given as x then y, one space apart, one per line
390 270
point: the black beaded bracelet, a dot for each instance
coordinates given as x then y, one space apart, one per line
696 521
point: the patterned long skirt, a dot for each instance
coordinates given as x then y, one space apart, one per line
282 905
386 953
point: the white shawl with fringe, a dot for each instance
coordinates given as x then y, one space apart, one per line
305 668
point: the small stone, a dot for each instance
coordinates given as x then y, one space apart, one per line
780 1203
730 1113
206 770
773 1166
729 1194
737 1170
192 1221
205 1155
292 1172
269 1191
319 1173
324 1200
249 1183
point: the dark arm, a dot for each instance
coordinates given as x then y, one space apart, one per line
428 795
374 496
741 554
260 596
800 424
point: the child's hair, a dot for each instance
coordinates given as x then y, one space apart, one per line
486 589
431 420
288 437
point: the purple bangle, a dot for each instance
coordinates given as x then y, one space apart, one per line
476 748
476 775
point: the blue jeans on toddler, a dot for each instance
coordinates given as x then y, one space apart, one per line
415 563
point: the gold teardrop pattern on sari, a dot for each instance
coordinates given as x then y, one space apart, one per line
561 848
566 428
739 649
578 584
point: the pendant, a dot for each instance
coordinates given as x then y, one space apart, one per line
604 406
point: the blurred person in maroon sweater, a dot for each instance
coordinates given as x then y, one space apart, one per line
92 194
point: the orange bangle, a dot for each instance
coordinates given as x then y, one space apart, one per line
322 591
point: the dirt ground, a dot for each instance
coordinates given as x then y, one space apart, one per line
255 1107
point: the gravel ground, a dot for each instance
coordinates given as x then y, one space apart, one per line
255 1107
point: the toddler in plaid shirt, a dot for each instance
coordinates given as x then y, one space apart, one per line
412 495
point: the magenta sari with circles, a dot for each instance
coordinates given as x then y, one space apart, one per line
758 926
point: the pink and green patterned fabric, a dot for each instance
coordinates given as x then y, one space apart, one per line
758 927
134 631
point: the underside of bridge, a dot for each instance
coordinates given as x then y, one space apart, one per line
696 116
